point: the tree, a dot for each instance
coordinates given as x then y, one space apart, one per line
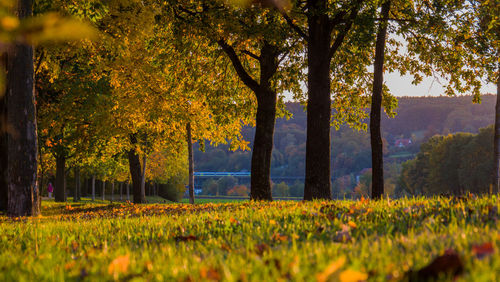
23 191
375 134
254 33
328 26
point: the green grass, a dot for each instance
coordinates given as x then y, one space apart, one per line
248 241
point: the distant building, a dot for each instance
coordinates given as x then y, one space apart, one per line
402 143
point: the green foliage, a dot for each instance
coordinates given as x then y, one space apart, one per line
280 190
452 164
249 240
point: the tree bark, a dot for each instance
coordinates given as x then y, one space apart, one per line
260 180
103 190
317 180
121 191
143 177
3 141
496 141
93 187
376 107
191 162
60 189
112 190
135 171
128 191
76 193
23 191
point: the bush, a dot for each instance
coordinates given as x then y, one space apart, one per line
238 190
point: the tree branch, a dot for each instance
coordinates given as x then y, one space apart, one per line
294 26
251 54
340 38
240 70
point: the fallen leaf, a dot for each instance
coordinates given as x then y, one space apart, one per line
187 238
342 237
483 250
261 248
119 265
449 263
352 224
350 275
330 269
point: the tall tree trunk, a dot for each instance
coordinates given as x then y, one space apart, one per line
128 191
260 179
3 140
378 81
93 187
496 141
112 190
76 196
143 177
60 193
191 162
103 190
23 192
135 172
317 181
260 182
121 191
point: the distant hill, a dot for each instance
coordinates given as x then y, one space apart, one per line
418 118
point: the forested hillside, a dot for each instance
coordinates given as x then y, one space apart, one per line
417 119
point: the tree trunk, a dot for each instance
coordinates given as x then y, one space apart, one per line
112 190
496 141
76 196
103 190
191 162
121 191
128 191
317 181
378 81
135 172
143 177
260 179
60 193
3 140
23 193
93 187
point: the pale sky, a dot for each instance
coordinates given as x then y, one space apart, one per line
402 86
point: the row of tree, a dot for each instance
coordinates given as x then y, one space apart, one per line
158 75
452 164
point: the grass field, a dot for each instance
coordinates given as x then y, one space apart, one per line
247 241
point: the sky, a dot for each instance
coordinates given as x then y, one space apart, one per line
401 86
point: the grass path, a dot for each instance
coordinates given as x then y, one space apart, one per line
246 241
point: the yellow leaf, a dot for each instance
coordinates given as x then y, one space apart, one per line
352 276
119 265
330 269
272 222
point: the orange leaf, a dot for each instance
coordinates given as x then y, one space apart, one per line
119 265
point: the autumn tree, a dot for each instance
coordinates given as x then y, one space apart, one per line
256 42
324 26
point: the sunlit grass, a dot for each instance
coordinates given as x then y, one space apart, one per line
248 241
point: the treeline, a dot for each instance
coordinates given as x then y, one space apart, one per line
451 164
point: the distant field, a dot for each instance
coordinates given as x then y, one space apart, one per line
253 241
